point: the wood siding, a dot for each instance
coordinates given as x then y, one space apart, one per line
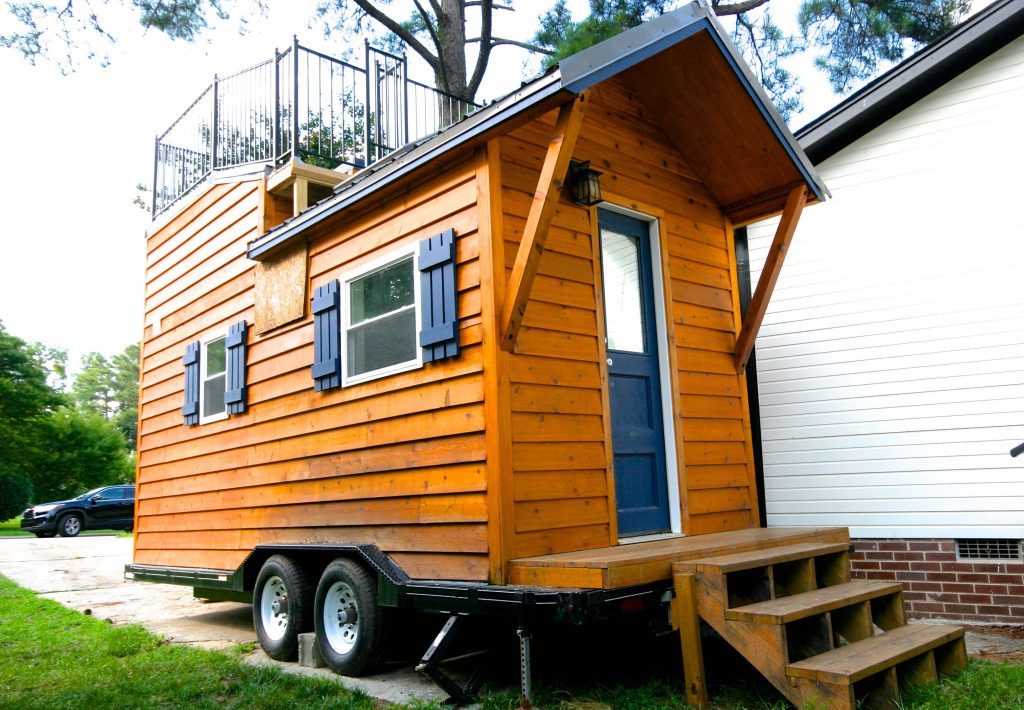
406 461
889 365
562 482
398 461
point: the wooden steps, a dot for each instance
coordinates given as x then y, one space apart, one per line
800 606
855 662
821 639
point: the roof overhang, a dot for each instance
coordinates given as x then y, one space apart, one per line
685 69
908 82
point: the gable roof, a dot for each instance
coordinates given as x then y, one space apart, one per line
908 82
650 51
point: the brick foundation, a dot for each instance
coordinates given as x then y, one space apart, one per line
939 586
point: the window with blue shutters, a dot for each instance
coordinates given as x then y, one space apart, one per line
388 316
215 376
326 337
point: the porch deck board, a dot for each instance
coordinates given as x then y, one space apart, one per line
644 562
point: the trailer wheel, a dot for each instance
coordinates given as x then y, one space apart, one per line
350 626
280 607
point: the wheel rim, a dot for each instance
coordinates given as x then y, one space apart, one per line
72 526
274 608
341 618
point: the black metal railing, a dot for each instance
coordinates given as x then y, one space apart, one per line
300 104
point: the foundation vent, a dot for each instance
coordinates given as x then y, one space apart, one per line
987 549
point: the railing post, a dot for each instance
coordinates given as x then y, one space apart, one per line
275 121
405 100
366 104
213 132
156 171
295 98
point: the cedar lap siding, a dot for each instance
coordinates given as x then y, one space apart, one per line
455 467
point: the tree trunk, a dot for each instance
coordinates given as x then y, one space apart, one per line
451 74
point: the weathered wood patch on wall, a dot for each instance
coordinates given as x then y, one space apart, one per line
281 288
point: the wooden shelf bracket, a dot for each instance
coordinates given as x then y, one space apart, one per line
795 202
545 199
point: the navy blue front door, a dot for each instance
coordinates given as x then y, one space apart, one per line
638 434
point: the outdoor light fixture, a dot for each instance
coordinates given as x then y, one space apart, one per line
585 182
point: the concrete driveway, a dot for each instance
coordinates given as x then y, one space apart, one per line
86 573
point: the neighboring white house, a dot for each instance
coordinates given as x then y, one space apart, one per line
890 366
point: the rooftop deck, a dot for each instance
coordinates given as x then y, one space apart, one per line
299 105
643 562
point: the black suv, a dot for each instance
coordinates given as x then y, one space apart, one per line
107 508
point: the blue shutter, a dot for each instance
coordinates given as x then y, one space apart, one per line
439 330
235 393
191 361
326 337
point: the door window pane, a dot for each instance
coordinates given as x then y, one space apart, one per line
620 266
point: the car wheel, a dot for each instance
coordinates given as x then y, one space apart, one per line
45 534
351 629
69 525
280 607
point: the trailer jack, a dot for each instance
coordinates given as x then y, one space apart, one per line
431 665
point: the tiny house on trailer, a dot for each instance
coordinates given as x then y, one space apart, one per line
496 369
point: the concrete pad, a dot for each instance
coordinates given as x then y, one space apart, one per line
86 573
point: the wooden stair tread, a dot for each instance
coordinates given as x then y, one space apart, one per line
799 606
761 558
849 664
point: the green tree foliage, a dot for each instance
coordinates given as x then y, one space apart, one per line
82 450
69 32
15 494
855 36
93 389
25 401
46 438
125 366
852 37
109 388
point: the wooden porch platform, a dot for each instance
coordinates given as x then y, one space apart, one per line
642 562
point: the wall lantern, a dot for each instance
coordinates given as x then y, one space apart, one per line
586 186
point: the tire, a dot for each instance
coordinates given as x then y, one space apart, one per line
69 525
45 534
280 607
349 648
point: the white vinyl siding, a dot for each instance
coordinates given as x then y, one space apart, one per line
891 361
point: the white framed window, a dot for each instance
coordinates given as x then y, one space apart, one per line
380 305
213 379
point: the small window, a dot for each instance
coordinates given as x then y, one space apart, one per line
213 370
380 320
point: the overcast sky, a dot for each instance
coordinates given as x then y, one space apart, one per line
71 265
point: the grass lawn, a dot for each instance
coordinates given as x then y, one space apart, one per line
12 528
52 657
